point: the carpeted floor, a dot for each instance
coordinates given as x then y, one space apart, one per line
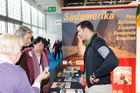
53 63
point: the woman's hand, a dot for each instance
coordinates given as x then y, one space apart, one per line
42 76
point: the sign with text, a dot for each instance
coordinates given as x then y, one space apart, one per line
117 26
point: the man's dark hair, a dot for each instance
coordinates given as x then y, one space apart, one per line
39 39
87 24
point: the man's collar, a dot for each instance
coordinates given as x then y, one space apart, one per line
89 41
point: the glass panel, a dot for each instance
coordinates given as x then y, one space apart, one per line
44 31
40 19
27 25
10 28
34 16
2 27
40 31
3 7
16 27
26 12
14 9
43 18
35 30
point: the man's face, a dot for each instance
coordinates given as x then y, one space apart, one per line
27 39
81 33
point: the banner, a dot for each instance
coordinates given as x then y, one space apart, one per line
117 26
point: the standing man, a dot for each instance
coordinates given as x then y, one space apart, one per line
99 60
25 35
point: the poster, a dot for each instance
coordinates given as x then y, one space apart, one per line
117 26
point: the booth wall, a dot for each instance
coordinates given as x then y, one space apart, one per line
52 27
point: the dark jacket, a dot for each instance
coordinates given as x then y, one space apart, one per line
100 59
55 47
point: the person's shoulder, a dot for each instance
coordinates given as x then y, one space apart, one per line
13 68
18 69
45 50
19 72
12 74
28 49
27 52
99 42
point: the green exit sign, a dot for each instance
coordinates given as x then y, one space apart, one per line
51 9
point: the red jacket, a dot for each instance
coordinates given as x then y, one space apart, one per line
27 64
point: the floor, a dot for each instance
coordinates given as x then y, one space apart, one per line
54 63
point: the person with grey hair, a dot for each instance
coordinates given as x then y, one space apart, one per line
25 35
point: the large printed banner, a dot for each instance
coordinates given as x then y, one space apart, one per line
117 26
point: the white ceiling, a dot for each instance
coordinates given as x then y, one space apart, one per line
44 4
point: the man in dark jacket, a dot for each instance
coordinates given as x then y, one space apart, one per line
99 60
